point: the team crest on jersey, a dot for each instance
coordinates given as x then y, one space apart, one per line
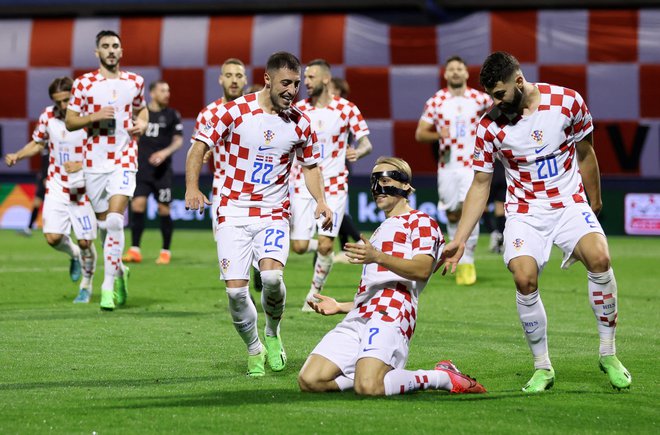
537 135
269 135
518 243
224 264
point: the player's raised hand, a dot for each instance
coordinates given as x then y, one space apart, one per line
452 252
196 200
323 209
325 305
362 252
70 167
11 159
107 112
138 128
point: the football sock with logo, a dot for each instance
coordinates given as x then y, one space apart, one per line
603 295
322 268
68 247
535 324
112 249
273 298
166 229
137 228
88 257
244 316
470 246
399 381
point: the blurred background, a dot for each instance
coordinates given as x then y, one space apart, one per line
391 53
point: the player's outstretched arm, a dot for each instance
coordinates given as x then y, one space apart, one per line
314 183
329 306
473 208
588 164
74 121
195 199
30 149
419 268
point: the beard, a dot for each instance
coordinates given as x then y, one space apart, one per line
278 102
514 105
316 91
455 84
114 63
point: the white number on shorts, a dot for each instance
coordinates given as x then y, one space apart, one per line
258 166
278 234
164 195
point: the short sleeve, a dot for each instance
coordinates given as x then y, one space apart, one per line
580 118
483 157
425 236
40 133
357 123
77 102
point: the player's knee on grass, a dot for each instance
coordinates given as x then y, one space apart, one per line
114 222
299 246
369 385
53 239
307 381
271 280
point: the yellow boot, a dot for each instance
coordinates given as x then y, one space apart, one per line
466 274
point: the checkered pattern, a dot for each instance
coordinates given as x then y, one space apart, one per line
392 69
219 157
600 299
108 142
538 152
384 295
63 145
333 125
260 149
459 116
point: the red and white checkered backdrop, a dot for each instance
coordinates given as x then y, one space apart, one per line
612 57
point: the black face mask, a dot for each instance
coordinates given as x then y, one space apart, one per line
377 189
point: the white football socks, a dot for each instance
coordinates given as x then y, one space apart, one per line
322 268
399 381
470 246
535 325
273 298
244 316
68 247
603 296
88 257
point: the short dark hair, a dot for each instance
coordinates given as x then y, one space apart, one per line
342 86
233 61
60 84
282 59
155 83
498 67
104 33
455 58
319 62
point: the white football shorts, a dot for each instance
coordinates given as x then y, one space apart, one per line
534 233
100 187
303 224
239 247
356 337
453 186
60 214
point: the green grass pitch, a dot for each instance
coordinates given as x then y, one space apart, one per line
171 362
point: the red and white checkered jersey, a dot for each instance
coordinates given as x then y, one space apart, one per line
384 295
63 146
332 124
537 151
203 117
460 114
259 148
108 142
